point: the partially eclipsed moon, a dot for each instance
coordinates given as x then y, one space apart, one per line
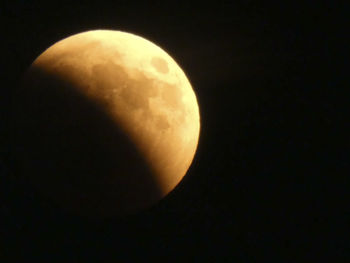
106 123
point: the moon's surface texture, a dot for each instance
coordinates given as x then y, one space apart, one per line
105 122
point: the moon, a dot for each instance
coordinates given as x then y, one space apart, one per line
105 123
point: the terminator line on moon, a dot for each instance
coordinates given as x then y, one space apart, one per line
105 123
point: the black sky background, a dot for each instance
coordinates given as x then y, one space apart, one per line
270 177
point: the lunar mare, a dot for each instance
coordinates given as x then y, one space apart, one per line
140 88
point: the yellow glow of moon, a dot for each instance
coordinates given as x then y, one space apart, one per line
140 88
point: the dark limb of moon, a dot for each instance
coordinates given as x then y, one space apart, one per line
75 153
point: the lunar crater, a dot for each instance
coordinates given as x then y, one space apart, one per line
160 65
162 122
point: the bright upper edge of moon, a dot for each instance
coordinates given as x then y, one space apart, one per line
141 87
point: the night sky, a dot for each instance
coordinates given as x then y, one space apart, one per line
270 177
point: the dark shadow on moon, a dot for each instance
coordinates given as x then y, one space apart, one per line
72 151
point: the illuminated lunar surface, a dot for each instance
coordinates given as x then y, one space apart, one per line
106 123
